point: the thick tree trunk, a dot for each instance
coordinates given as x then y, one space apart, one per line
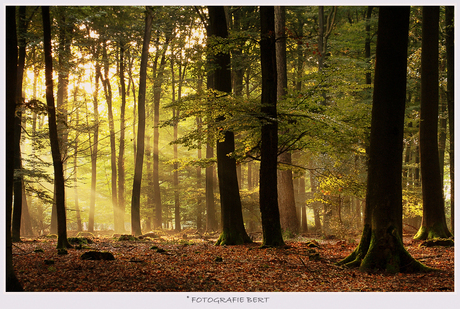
381 246
233 232
53 133
434 219
12 282
18 178
136 194
271 227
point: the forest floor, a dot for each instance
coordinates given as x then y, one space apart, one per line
190 262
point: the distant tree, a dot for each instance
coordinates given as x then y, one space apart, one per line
268 193
233 231
121 147
136 193
59 185
159 64
286 200
434 219
94 143
450 51
12 282
113 152
381 246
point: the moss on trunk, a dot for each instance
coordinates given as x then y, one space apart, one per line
233 238
438 230
384 251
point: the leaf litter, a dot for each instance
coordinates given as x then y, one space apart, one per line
191 263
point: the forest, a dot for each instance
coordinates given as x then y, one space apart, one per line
195 144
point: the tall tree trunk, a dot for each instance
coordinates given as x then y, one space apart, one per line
450 51
233 232
133 87
113 152
158 74
302 194
271 227
434 219
199 202
75 161
18 178
94 148
136 194
381 246
121 149
176 165
12 282
286 199
211 222
53 133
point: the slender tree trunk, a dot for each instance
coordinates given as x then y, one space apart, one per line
12 282
271 227
94 150
133 87
75 161
176 165
159 71
121 150
450 102
211 223
113 152
381 246
286 199
136 195
57 159
302 193
199 202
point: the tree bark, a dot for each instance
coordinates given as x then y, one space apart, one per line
199 202
450 51
233 231
113 152
12 282
381 246
59 186
136 194
271 227
158 74
121 149
211 222
94 148
433 219
75 164
286 199
18 178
